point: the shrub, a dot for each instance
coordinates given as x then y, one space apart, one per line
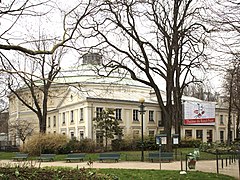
45 143
87 145
189 142
133 144
73 145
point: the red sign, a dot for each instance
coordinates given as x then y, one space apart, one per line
196 121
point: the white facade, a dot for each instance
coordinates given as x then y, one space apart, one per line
78 95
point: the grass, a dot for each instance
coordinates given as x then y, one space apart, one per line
135 174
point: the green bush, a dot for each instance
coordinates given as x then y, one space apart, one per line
87 145
45 143
71 146
193 143
134 144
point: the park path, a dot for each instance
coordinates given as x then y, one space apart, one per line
202 165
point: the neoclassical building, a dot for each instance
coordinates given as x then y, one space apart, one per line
76 97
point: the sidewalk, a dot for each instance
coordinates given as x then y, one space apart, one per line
205 166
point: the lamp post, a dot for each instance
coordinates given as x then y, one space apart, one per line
142 111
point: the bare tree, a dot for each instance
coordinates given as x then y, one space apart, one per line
158 42
13 12
21 129
40 51
201 91
31 82
232 90
224 17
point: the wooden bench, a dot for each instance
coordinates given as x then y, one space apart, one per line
46 157
75 156
20 156
164 156
109 156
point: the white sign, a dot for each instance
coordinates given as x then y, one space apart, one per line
199 113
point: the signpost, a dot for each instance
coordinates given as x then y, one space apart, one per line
161 139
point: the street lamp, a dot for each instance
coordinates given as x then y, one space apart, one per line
142 111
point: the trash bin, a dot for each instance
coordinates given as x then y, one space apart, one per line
191 161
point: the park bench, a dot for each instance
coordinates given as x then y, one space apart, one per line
46 157
75 156
164 156
109 156
20 156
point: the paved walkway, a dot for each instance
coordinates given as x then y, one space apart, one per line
205 166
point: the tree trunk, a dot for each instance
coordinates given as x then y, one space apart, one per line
229 112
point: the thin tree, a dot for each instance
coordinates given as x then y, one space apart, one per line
21 129
108 126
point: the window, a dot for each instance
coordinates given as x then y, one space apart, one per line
151 116
199 134
99 111
151 133
81 135
72 116
54 121
221 119
99 138
160 122
188 133
49 121
72 135
222 136
135 133
209 136
118 114
135 115
64 118
81 114
54 132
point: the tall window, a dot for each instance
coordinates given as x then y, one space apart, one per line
221 119
188 133
72 135
72 116
99 111
199 134
119 114
81 114
209 136
54 121
151 116
64 118
49 121
160 122
222 136
135 133
81 135
135 115
99 138
151 133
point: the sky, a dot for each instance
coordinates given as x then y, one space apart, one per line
51 26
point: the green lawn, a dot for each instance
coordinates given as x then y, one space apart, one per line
135 174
